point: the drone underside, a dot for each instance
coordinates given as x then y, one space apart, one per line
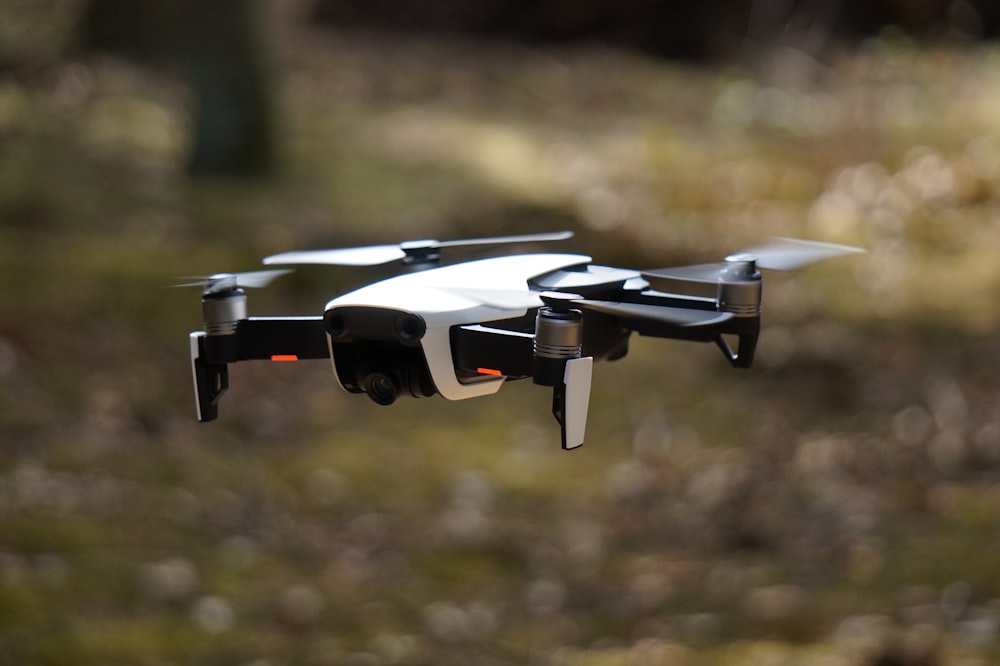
465 329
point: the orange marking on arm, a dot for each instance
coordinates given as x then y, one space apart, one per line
284 357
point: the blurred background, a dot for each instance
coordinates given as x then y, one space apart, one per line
837 504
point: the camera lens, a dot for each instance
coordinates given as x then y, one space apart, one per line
410 327
335 324
380 388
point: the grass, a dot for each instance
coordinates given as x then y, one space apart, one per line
825 507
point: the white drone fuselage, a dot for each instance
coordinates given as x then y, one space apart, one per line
472 292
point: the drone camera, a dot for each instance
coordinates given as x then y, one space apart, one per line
381 388
377 352
383 371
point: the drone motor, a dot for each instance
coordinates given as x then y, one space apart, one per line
223 310
740 287
558 338
559 363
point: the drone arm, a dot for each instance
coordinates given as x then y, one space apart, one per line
484 350
656 314
269 339
745 330
282 338
254 338
742 356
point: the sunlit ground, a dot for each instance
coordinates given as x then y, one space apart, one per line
837 504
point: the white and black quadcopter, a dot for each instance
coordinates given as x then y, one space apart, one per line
463 330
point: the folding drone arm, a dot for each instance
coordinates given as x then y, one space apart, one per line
572 331
552 356
253 338
702 323
652 313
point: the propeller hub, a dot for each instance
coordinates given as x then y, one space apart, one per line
559 301
220 282
740 267
421 252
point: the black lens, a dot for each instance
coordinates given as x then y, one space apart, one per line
335 324
410 327
380 388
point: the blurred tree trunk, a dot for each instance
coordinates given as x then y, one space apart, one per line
218 49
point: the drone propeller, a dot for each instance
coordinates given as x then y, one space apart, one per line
789 254
220 282
633 314
500 299
780 254
408 252
630 314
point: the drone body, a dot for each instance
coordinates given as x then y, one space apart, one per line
463 330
